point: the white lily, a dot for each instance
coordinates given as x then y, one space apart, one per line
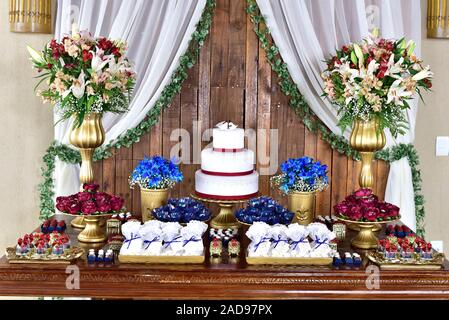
345 70
425 73
35 55
99 61
79 86
394 68
396 92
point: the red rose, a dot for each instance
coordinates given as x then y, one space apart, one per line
117 203
341 208
104 207
355 213
101 197
393 211
363 193
89 207
371 214
116 52
61 204
84 196
87 56
73 207
91 187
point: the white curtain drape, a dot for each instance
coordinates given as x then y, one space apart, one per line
157 33
307 32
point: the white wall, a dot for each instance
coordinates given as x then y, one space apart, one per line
26 130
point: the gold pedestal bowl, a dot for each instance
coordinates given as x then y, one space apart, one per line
365 238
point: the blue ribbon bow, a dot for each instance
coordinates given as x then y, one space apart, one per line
325 241
295 243
167 243
192 239
279 240
149 242
131 239
260 242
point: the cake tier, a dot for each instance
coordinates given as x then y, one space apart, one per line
228 138
217 162
226 188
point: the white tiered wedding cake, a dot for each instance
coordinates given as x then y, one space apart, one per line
227 170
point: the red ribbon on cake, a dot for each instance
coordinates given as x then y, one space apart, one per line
230 198
228 150
227 174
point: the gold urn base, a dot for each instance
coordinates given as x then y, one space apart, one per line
151 199
225 218
302 204
354 227
78 223
93 232
365 239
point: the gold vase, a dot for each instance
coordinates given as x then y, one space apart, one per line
88 136
151 199
367 139
302 204
365 238
93 231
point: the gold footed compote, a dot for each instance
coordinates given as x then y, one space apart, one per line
93 232
225 218
365 238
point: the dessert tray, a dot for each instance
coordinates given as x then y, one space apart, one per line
416 263
311 261
67 257
161 259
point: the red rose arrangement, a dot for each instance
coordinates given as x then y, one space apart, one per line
364 206
90 202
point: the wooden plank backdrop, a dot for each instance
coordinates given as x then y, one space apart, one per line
233 81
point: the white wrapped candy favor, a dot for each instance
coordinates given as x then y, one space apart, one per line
299 243
260 235
280 246
172 239
151 234
192 238
321 240
133 241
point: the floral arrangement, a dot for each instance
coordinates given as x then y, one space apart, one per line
84 74
264 209
364 206
374 79
90 202
182 210
301 175
156 173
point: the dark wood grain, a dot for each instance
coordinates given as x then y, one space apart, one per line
220 279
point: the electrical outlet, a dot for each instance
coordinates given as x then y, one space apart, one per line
442 147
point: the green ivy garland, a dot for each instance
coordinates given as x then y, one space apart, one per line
305 113
69 155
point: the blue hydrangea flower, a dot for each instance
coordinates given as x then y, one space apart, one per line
156 173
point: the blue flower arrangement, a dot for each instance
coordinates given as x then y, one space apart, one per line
266 210
182 210
301 175
155 173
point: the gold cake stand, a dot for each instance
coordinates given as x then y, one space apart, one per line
225 218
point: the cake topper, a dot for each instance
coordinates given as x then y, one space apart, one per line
226 125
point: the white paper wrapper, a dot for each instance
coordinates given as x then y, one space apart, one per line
280 246
192 238
260 235
299 243
151 234
133 241
320 244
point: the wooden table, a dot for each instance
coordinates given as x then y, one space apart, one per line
219 280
